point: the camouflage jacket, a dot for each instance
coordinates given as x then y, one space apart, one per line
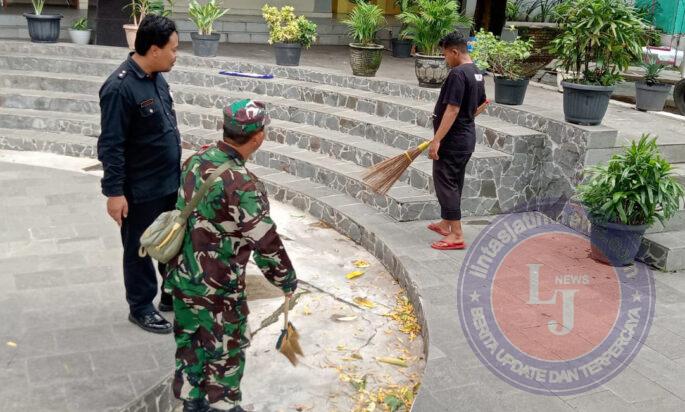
230 223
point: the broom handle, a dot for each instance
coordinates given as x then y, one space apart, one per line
285 312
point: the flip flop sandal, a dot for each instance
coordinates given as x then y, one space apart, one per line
442 245
435 228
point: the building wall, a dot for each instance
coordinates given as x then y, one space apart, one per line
310 8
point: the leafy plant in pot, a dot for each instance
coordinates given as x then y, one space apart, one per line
43 28
401 47
364 22
426 24
650 94
288 33
598 40
79 31
625 196
503 59
141 8
205 41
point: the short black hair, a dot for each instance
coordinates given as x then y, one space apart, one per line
154 30
241 139
454 39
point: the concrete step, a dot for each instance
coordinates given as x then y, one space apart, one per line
491 131
67 144
665 250
362 152
402 202
45 121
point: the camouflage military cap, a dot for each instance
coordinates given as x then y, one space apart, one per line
245 117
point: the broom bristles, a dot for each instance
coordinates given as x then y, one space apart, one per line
382 176
289 344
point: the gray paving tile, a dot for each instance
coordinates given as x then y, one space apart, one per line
123 360
59 368
99 394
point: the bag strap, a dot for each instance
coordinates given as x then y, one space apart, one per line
185 214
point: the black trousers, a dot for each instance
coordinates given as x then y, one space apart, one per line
448 179
140 278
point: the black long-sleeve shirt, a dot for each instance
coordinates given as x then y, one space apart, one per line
139 144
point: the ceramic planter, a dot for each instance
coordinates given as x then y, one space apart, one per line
431 71
365 59
131 30
80 36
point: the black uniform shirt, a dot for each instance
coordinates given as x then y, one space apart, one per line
464 87
139 144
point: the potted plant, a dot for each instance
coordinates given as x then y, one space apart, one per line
364 22
650 94
598 40
504 60
426 24
141 8
625 196
205 42
79 31
401 46
43 28
288 33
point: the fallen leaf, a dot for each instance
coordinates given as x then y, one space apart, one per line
299 407
320 224
11 344
364 302
297 215
341 347
354 274
361 263
393 402
343 318
357 356
306 311
393 361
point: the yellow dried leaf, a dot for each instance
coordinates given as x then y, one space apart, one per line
354 274
357 356
393 361
360 263
306 311
11 344
343 318
364 302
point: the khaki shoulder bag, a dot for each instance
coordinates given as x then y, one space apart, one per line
163 239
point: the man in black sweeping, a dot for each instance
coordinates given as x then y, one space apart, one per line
140 150
461 99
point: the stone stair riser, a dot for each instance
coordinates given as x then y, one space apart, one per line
50 124
408 211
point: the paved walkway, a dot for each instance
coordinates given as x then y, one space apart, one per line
66 343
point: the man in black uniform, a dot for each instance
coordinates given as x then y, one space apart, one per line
454 140
140 150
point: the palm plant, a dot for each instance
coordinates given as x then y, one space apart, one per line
364 22
204 16
430 21
633 188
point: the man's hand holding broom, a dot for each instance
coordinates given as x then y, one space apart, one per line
380 177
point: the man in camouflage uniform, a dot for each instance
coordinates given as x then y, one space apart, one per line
207 279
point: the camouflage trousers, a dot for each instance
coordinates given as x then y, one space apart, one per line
210 340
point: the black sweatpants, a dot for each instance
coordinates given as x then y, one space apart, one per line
448 179
140 278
